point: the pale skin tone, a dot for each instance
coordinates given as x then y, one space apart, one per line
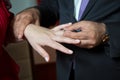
89 37
39 36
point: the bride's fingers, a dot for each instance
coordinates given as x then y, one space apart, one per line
60 47
61 26
63 39
42 52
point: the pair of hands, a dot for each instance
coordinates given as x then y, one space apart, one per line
39 36
27 23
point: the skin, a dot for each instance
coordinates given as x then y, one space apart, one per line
26 23
22 19
39 36
90 35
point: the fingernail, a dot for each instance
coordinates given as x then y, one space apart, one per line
70 52
19 36
77 40
46 59
69 23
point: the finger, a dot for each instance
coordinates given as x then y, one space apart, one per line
58 46
63 39
20 24
61 26
73 27
76 35
42 52
37 22
76 26
85 44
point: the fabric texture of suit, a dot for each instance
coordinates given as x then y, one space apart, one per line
99 63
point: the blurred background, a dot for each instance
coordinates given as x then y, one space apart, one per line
32 65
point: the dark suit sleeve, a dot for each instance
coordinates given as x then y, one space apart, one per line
108 13
48 12
113 47
113 29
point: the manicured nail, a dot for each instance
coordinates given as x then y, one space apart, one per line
70 52
77 40
46 59
19 36
69 23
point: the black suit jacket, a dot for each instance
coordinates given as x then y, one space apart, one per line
92 64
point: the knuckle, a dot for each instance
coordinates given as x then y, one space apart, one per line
93 42
90 47
92 35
